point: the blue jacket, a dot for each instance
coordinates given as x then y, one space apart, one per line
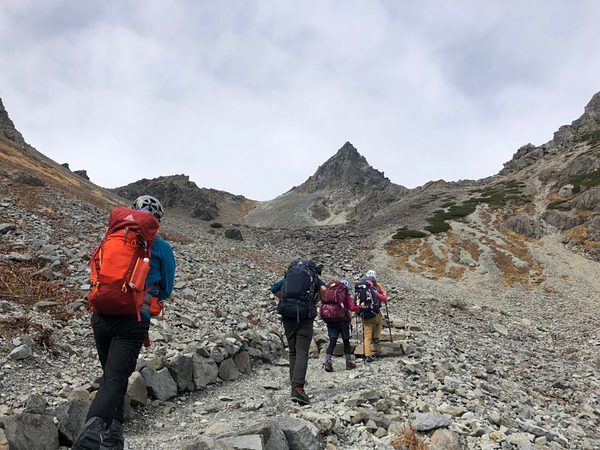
162 271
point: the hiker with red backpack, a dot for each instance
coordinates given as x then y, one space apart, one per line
298 294
132 273
368 296
336 310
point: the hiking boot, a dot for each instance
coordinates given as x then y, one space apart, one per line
114 437
299 396
350 365
369 359
328 366
91 436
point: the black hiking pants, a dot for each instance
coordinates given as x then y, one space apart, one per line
299 335
118 342
334 329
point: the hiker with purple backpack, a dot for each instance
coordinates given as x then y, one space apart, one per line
336 310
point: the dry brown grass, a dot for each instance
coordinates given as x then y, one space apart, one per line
409 440
18 285
12 157
40 334
173 236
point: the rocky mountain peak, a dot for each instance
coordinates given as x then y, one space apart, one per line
348 152
347 169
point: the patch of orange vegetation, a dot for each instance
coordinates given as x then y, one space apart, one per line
577 234
427 258
514 245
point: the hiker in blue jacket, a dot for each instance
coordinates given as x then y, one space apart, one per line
119 339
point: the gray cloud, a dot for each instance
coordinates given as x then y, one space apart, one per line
250 97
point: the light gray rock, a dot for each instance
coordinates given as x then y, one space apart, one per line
444 439
30 431
21 352
137 389
429 421
566 191
205 371
228 370
160 383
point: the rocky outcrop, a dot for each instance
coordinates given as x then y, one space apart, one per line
8 130
177 191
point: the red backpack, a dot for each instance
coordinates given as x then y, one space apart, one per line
334 303
120 264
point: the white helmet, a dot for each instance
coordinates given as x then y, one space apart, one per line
371 273
149 204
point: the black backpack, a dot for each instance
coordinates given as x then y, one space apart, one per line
365 294
300 286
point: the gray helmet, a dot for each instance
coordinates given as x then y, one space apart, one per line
149 204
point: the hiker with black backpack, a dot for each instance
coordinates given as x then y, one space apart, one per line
132 274
337 306
368 296
299 292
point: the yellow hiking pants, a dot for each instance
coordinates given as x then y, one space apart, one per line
372 329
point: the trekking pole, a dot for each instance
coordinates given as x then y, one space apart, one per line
387 317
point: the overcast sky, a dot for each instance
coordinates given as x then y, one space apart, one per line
251 96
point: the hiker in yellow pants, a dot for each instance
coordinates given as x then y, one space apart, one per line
369 296
372 329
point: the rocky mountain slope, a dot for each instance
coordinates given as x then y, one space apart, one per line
344 189
178 192
494 321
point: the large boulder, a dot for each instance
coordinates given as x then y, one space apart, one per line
30 432
590 199
272 435
160 383
181 368
228 370
137 389
300 434
205 371
561 220
71 418
526 225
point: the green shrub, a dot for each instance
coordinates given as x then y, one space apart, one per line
463 210
592 138
406 233
587 179
448 204
437 224
560 204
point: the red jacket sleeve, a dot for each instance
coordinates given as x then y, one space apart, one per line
381 297
350 303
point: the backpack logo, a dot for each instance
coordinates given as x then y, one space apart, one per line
129 218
